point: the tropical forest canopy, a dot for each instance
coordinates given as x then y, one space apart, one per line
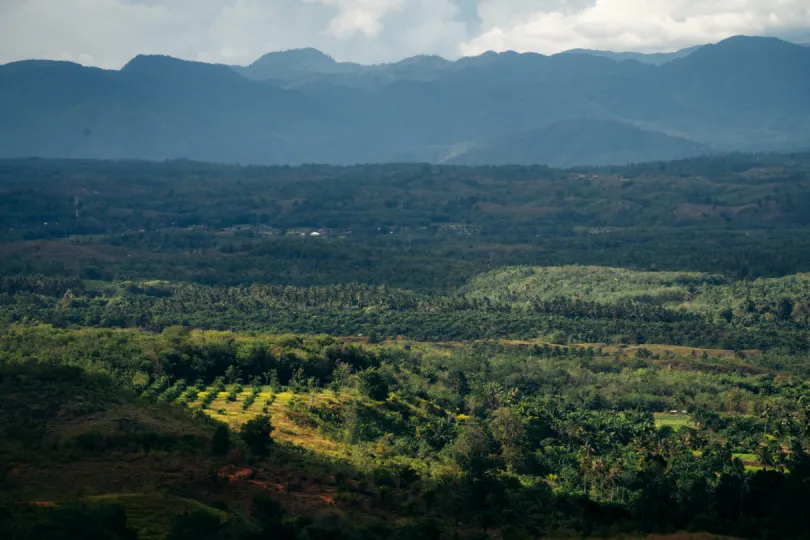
192 350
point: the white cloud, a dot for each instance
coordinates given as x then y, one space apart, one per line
642 25
363 16
108 33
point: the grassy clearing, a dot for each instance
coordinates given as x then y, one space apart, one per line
751 461
675 421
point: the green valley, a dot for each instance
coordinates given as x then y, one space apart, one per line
456 352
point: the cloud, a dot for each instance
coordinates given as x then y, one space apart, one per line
363 16
550 26
108 33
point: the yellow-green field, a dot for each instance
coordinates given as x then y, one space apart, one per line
750 461
675 421
286 429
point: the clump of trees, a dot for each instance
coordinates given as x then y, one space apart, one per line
256 435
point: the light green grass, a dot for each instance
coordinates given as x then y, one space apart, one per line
675 421
751 461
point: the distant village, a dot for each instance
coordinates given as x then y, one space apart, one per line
261 230
439 229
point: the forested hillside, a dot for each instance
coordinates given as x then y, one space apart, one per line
197 351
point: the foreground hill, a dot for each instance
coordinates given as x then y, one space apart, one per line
301 106
582 142
398 439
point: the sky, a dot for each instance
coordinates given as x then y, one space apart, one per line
108 33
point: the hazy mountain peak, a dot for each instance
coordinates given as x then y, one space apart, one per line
766 54
293 64
23 65
425 60
751 44
168 67
307 56
159 61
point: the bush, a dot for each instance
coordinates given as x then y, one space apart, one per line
208 400
175 391
195 525
248 402
373 384
78 520
256 434
221 442
218 385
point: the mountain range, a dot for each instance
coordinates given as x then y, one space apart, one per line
577 107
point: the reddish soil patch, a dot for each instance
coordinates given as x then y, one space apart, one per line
297 492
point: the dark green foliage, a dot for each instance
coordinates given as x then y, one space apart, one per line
221 442
173 392
268 519
197 525
208 400
473 452
68 522
256 435
373 383
249 400
537 410
191 395
737 215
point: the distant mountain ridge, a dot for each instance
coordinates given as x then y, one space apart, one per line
296 63
645 58
303 106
